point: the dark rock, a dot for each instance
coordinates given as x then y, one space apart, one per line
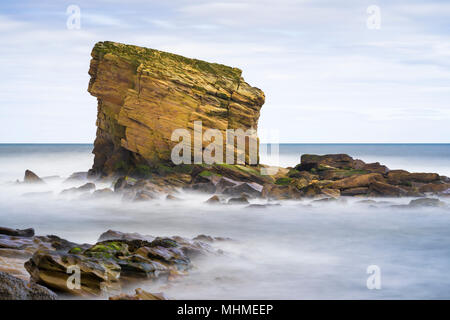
207 187
213 200
375 168
12 288
172 198
140 295
224 183
355 191
276 192
144 196
240 200
357 181
386 190
87 187
312 161
402 177
31 177
117 235
17 232
122 184
434 187
103 193
252 189
426 202
77 176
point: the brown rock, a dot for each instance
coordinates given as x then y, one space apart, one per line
31 177
434 187
386 190
404 177
357 181
213 200
144 95
140 295
355 191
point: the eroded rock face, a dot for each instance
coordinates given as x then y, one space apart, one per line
144 95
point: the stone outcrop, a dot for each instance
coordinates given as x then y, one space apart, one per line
144 95
12 288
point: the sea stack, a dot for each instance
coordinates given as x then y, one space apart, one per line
145 94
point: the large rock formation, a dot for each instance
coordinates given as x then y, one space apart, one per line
145 94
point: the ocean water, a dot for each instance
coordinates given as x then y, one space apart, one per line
298 250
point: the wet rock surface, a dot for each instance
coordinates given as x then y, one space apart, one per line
12 288
117 258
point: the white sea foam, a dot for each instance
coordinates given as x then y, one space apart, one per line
301 249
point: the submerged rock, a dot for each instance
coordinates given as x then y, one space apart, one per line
141 295
31 177
426 202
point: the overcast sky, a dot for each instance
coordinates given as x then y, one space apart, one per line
327 77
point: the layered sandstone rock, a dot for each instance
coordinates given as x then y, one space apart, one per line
145 94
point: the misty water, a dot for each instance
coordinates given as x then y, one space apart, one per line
297 250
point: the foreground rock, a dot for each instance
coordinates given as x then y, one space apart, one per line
140 295
105 266
12 288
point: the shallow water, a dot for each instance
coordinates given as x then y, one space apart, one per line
299 250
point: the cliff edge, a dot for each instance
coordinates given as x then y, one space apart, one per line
144 95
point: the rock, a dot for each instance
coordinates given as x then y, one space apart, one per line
375 168
103 193
426 202
400 177
239 200
104 266
276 192
434 187
311 191
12 288
252 189
207 187
31 177
136 116
17 232
355 191
144 196
256 206
340 161
171 197
224 183
333 193
213 200
357 181
386 190
77 176
87 187
117 235
52 269
140 295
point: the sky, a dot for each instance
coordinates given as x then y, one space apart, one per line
328 75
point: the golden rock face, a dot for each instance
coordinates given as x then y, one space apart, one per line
145 94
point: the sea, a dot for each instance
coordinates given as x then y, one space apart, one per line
296 250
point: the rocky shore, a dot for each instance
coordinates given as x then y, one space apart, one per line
116 261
